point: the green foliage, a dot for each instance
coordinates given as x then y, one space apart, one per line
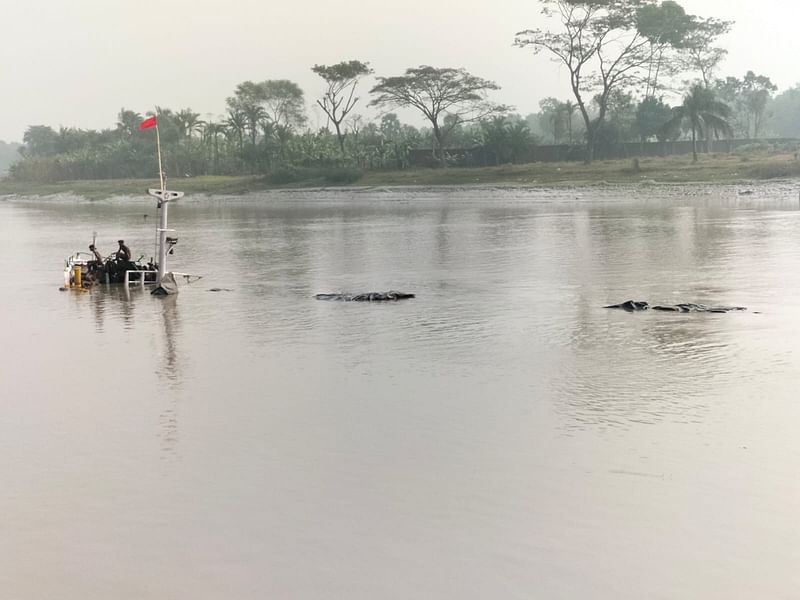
506 140
651 114
247 141
267 113
664 24
748 97
785 111
620 122
40 140
342 73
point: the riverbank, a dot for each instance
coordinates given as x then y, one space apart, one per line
673 169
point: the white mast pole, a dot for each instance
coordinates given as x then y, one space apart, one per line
162 227
160 168
164 197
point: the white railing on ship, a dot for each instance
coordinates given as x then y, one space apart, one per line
141 278
141 281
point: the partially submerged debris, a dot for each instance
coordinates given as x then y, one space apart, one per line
366 297
634 305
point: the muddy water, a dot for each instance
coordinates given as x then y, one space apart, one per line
501 435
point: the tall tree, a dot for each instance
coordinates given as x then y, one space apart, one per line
748 97
438 93
553 116
339 97
698 50
758 90
608 45
40 140
600 45
702 113
247 105
666 27
283 100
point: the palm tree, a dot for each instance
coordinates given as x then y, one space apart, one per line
268 133
703 113
494 134
236 122
211 133
520 140
188 122
253 114
128 121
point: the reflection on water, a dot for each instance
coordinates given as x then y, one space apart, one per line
500 434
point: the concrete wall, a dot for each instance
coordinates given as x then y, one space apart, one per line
478 156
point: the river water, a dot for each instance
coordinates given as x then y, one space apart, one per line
499 436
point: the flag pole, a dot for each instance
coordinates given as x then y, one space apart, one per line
163 202
160 168
162 230
162 205
164 198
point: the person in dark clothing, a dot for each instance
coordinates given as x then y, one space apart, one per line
97 258
121 262
124 253
96 267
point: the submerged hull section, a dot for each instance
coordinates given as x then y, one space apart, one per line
81 270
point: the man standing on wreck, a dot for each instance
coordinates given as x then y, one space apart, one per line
124 253
98 260
96 266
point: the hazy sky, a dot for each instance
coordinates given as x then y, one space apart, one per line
77 62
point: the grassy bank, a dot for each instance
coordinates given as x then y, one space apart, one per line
674 169
105 188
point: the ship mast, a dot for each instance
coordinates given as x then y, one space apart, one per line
164 196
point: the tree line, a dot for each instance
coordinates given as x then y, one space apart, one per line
624 59
265 130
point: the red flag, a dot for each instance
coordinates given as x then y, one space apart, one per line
148 123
